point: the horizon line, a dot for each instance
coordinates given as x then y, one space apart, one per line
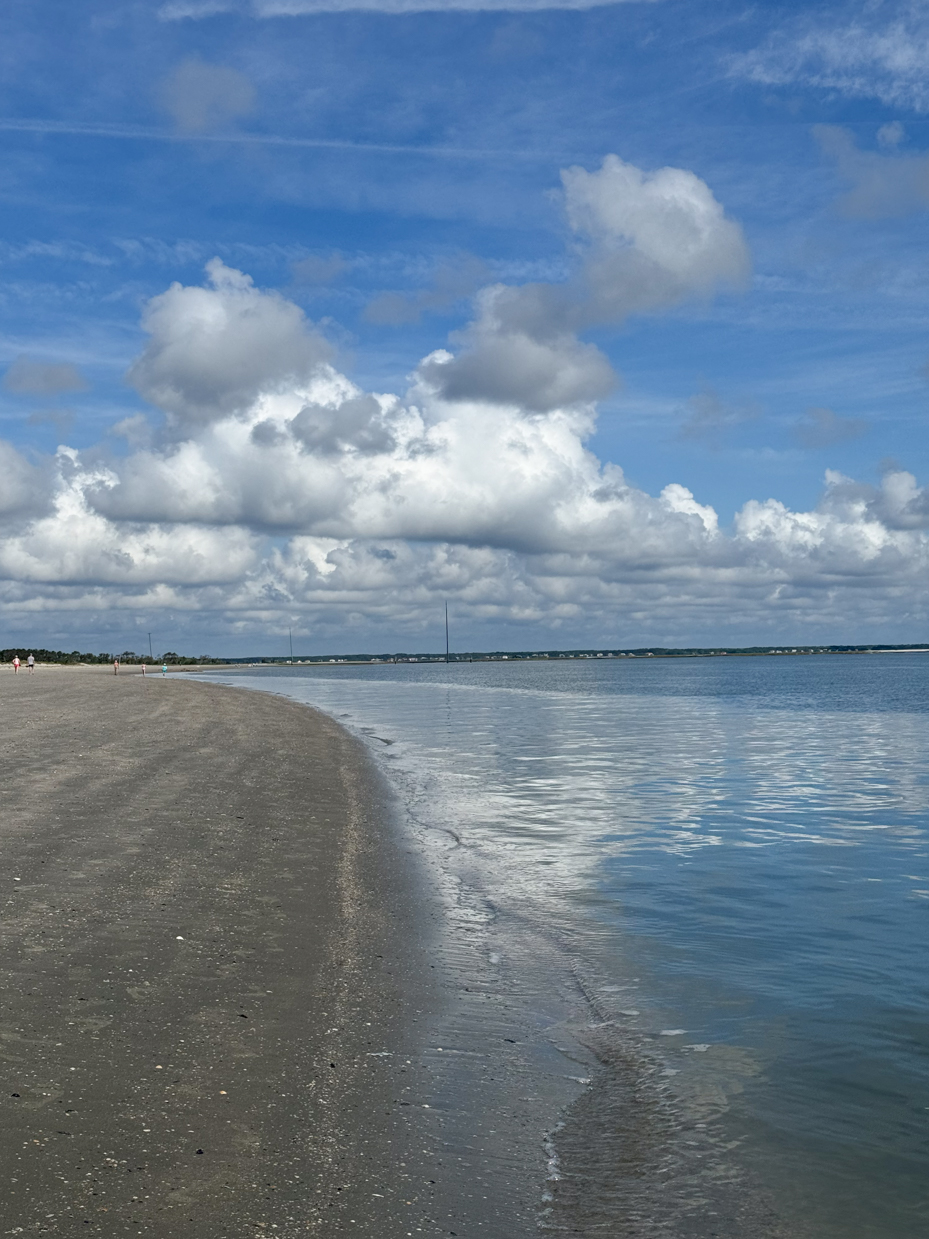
654 651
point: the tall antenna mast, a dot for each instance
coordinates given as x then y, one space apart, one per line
290 633
446 632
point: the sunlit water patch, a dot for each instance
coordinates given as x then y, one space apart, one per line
730 857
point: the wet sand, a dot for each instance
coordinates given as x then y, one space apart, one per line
213 955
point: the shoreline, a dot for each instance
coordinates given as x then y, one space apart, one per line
544 1042
488 1077
458 659
218 962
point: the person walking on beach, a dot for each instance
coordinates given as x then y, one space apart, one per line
143 668
30 663
15 663
164 668
116 666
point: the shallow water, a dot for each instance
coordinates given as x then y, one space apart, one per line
731 858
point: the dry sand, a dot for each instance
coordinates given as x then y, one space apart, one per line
210 946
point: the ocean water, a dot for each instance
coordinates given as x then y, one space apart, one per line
729 859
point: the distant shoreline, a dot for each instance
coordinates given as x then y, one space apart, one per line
134 664
554 656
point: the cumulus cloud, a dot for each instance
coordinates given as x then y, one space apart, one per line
515 368
214 350
27 377
900 503
881 52
658 238
72 543
357 423
881 184
819 428
285 488
598 552
507 513
645 242
201 96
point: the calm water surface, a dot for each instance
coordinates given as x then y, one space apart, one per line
732 853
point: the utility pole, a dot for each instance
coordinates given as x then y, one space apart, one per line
446 633
150 654
290 633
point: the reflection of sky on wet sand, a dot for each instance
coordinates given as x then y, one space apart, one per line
740 852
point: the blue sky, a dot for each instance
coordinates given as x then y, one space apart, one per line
373 172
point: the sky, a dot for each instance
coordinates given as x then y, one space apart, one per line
604 323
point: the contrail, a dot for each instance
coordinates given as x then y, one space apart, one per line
144 133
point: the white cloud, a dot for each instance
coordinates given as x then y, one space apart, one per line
512 367
358 423
901 503
283 489
214 350
646 241
502 510
658 237
508 517
882 52
74 544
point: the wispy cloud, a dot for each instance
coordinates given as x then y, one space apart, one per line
201 96
709 418
178 10
820 428
26 376
882 52
150 133
451 283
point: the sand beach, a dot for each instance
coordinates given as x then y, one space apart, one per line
213 960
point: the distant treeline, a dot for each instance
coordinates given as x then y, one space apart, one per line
127 656
535 655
